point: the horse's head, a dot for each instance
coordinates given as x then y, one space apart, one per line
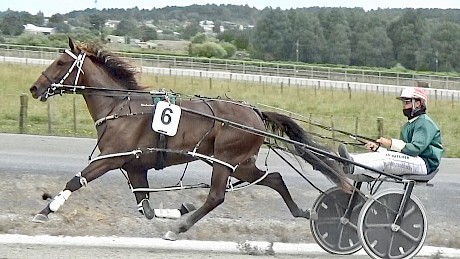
64 70
103 69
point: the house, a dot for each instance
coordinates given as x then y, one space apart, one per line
111 24
115 39
147 45
208 26
30 28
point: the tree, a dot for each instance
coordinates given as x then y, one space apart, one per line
191 30
305 37
270 34
97 22
337 35
443 46
370 44
406 33
58 22
148 33
12 24
56 19
239 38
128 28
199 38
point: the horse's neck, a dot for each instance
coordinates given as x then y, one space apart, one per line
101 104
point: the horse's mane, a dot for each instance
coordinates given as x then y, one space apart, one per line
118 68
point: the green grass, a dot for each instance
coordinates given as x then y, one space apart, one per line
356 113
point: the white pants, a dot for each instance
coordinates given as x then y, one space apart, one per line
390 162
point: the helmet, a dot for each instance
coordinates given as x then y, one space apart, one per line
414 93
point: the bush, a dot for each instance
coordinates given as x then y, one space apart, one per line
33 40
207 49
229 48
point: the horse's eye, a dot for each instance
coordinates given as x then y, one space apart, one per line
60 63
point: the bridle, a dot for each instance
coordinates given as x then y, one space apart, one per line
78 63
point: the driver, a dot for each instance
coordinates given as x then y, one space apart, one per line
417 151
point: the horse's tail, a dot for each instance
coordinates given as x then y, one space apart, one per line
281 124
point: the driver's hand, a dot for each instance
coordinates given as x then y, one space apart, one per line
372 146
386 143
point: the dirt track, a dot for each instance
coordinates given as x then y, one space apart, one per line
107 207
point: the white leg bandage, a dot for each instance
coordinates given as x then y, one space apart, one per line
167 213
59 200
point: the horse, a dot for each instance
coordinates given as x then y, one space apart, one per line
124 134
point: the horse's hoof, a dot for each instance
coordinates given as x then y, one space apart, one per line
171 236
40 218
148 212
186 207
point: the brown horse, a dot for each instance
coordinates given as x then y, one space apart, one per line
126 139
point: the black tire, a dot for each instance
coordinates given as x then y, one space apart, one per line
331 231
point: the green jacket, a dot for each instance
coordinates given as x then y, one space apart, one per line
423 139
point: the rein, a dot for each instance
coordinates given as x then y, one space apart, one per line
360 138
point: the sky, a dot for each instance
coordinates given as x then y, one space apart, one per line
50 7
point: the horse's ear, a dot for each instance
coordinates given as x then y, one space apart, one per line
72 45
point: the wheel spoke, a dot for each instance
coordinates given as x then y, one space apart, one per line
407 235
378 225
327 221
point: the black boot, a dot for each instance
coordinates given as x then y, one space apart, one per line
348 168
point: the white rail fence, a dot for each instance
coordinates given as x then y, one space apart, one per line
437 94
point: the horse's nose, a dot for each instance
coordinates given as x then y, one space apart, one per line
33 90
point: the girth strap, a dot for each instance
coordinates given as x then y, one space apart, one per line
161 155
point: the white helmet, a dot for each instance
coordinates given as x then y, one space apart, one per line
414 93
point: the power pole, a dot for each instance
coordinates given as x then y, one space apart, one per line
297 51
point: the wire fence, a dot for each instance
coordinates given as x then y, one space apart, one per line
68 115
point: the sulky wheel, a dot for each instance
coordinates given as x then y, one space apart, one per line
332 231
380 237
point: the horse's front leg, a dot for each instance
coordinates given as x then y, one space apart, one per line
91 172
138 179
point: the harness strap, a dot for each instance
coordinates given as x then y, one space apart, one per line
162 155
213 159
136 152
102 120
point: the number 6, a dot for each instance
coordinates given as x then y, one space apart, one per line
165 116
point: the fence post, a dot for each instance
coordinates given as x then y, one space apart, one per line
349 91
333 130
23 113
380 126
74 104
356 130
51 114
210 83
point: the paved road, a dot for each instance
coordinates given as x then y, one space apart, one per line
41 155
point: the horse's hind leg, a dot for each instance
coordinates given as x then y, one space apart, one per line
138 179
215 197
248 172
